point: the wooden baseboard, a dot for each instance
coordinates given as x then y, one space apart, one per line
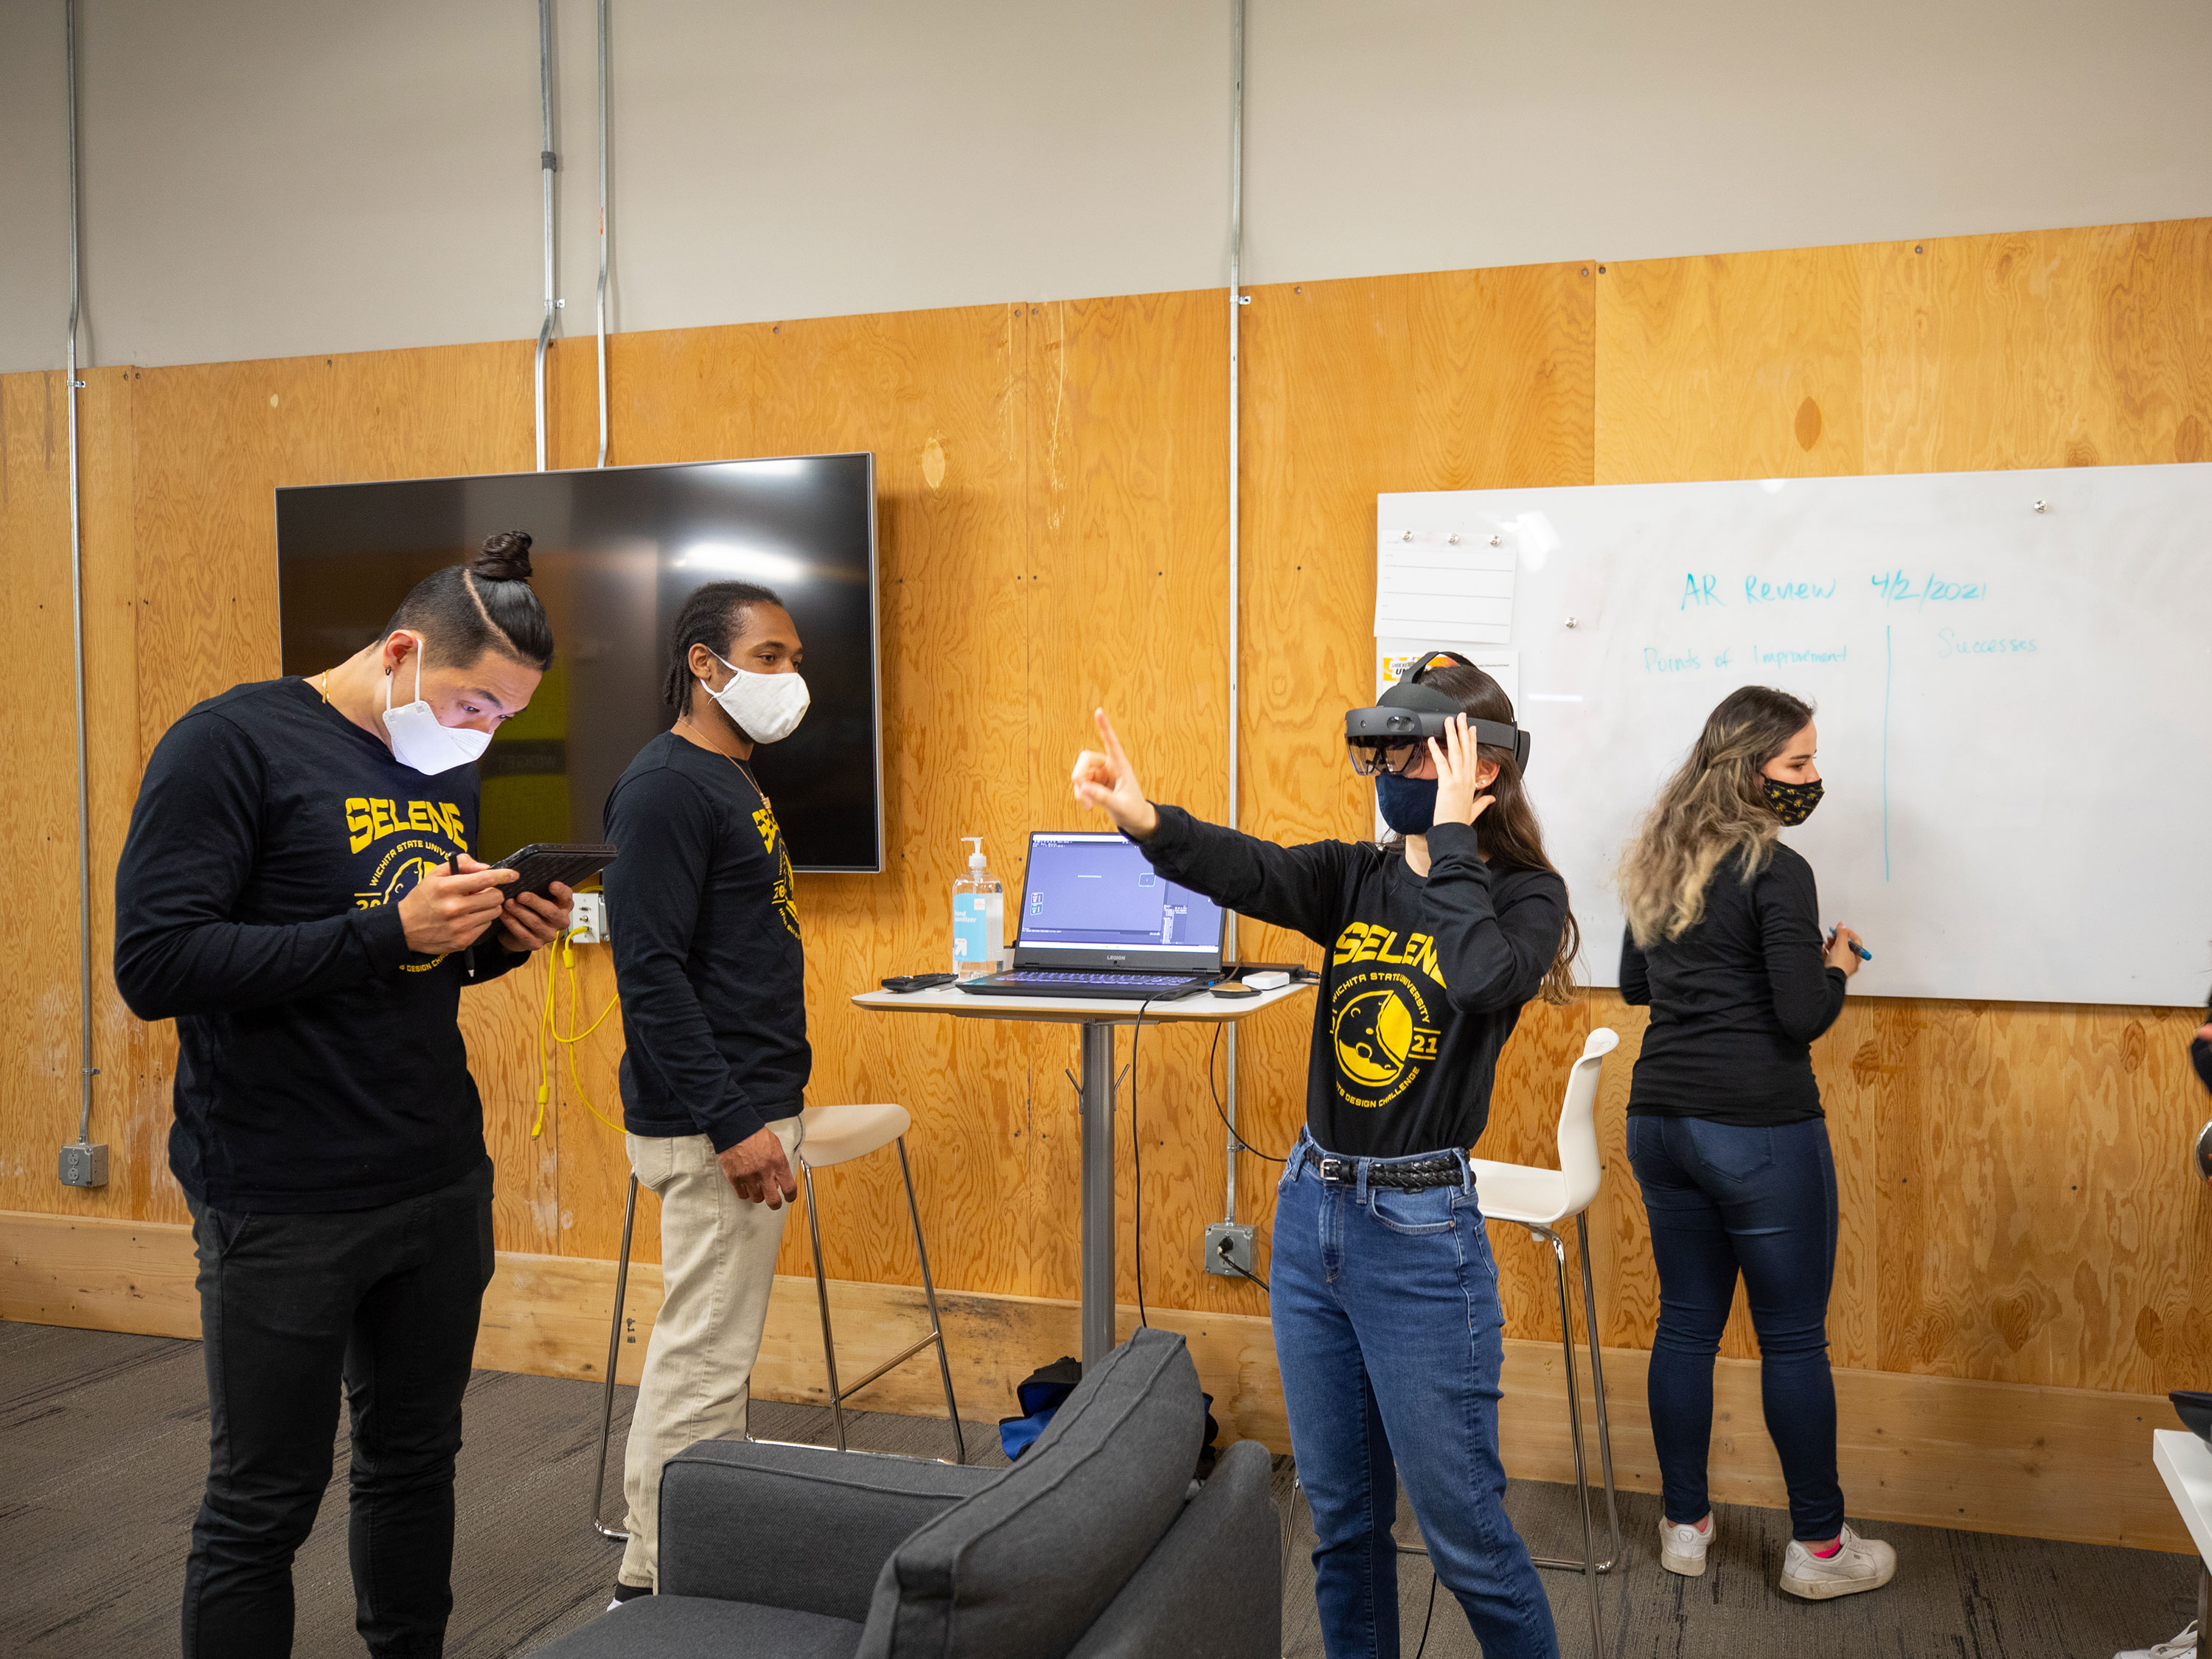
2070 1464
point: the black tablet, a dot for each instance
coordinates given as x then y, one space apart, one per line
544 862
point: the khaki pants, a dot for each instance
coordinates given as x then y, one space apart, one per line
717 1269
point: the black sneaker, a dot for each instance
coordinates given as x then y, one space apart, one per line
628 1592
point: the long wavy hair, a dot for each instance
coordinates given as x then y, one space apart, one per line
1507 834
1715 806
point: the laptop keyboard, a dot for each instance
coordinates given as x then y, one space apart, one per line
1071 977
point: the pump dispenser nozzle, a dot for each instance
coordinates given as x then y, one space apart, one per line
975 858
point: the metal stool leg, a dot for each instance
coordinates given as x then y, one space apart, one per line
822 1295
1597 1384
929 1295
607 1385
838 1393
1575 1427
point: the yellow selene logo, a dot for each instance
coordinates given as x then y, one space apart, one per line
787 905
369 820
1363 942
1382 1025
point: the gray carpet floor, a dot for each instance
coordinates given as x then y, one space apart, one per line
103 1448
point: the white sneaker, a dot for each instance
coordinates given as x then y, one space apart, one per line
1863 1563
2183 1646
1682 1549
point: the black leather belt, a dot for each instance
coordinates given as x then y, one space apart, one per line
1414 1176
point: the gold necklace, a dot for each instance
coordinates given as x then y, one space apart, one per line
743 771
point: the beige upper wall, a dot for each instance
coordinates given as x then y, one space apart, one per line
266 177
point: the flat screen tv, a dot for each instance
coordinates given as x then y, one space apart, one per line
616 551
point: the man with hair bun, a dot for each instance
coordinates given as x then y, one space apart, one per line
298 892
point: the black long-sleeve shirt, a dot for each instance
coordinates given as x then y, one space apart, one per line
2200 1053
1425 977
320 1065
1736 1002
707 948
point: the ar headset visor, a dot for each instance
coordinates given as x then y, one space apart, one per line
1390 736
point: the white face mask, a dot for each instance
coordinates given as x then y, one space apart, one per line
418 740
766 708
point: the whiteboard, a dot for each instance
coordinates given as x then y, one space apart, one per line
2013 674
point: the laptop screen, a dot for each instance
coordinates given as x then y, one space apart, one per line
1097 892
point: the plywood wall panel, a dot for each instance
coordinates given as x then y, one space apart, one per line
935 396
2038 1215
499 1023
1452 381
40 1095
2015 1205
1126 605
38 801
1959 1151
2042 349
1742 366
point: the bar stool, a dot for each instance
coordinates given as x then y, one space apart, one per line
1528 1195
838 1135
1531 1196
828 1135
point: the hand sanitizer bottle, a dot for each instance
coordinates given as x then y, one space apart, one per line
979 918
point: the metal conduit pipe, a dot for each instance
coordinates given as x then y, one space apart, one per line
547 161
1237 304
82 1165
603 234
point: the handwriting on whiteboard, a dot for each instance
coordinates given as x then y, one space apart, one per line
1702 589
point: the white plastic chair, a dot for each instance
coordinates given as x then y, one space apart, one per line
1528 1195
828 1135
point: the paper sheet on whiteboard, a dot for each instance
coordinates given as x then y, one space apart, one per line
1444 582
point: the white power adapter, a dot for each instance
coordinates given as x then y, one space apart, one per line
1271 978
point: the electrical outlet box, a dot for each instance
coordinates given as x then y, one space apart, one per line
84 1164
589 919
1241 1241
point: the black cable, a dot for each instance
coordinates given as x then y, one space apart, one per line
1431 1613
1225 1251
1221 1111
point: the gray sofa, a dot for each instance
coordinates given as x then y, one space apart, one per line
1094 1545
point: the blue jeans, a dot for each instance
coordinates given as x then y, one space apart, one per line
1389 1332
1722 1199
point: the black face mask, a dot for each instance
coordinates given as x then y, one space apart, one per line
1408 804
1793 803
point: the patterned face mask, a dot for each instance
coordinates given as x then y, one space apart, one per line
1793 803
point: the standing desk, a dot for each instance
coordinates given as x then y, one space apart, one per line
1098 1019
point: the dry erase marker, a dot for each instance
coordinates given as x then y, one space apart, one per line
1857 950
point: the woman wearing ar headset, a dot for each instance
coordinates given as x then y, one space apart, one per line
1387 1321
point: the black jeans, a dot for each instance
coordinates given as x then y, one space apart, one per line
386 1301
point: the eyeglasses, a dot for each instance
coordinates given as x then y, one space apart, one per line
1395 759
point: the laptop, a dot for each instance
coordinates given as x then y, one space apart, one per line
1097 921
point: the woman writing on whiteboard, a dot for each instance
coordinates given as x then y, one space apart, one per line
1387 1321
1725 1131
